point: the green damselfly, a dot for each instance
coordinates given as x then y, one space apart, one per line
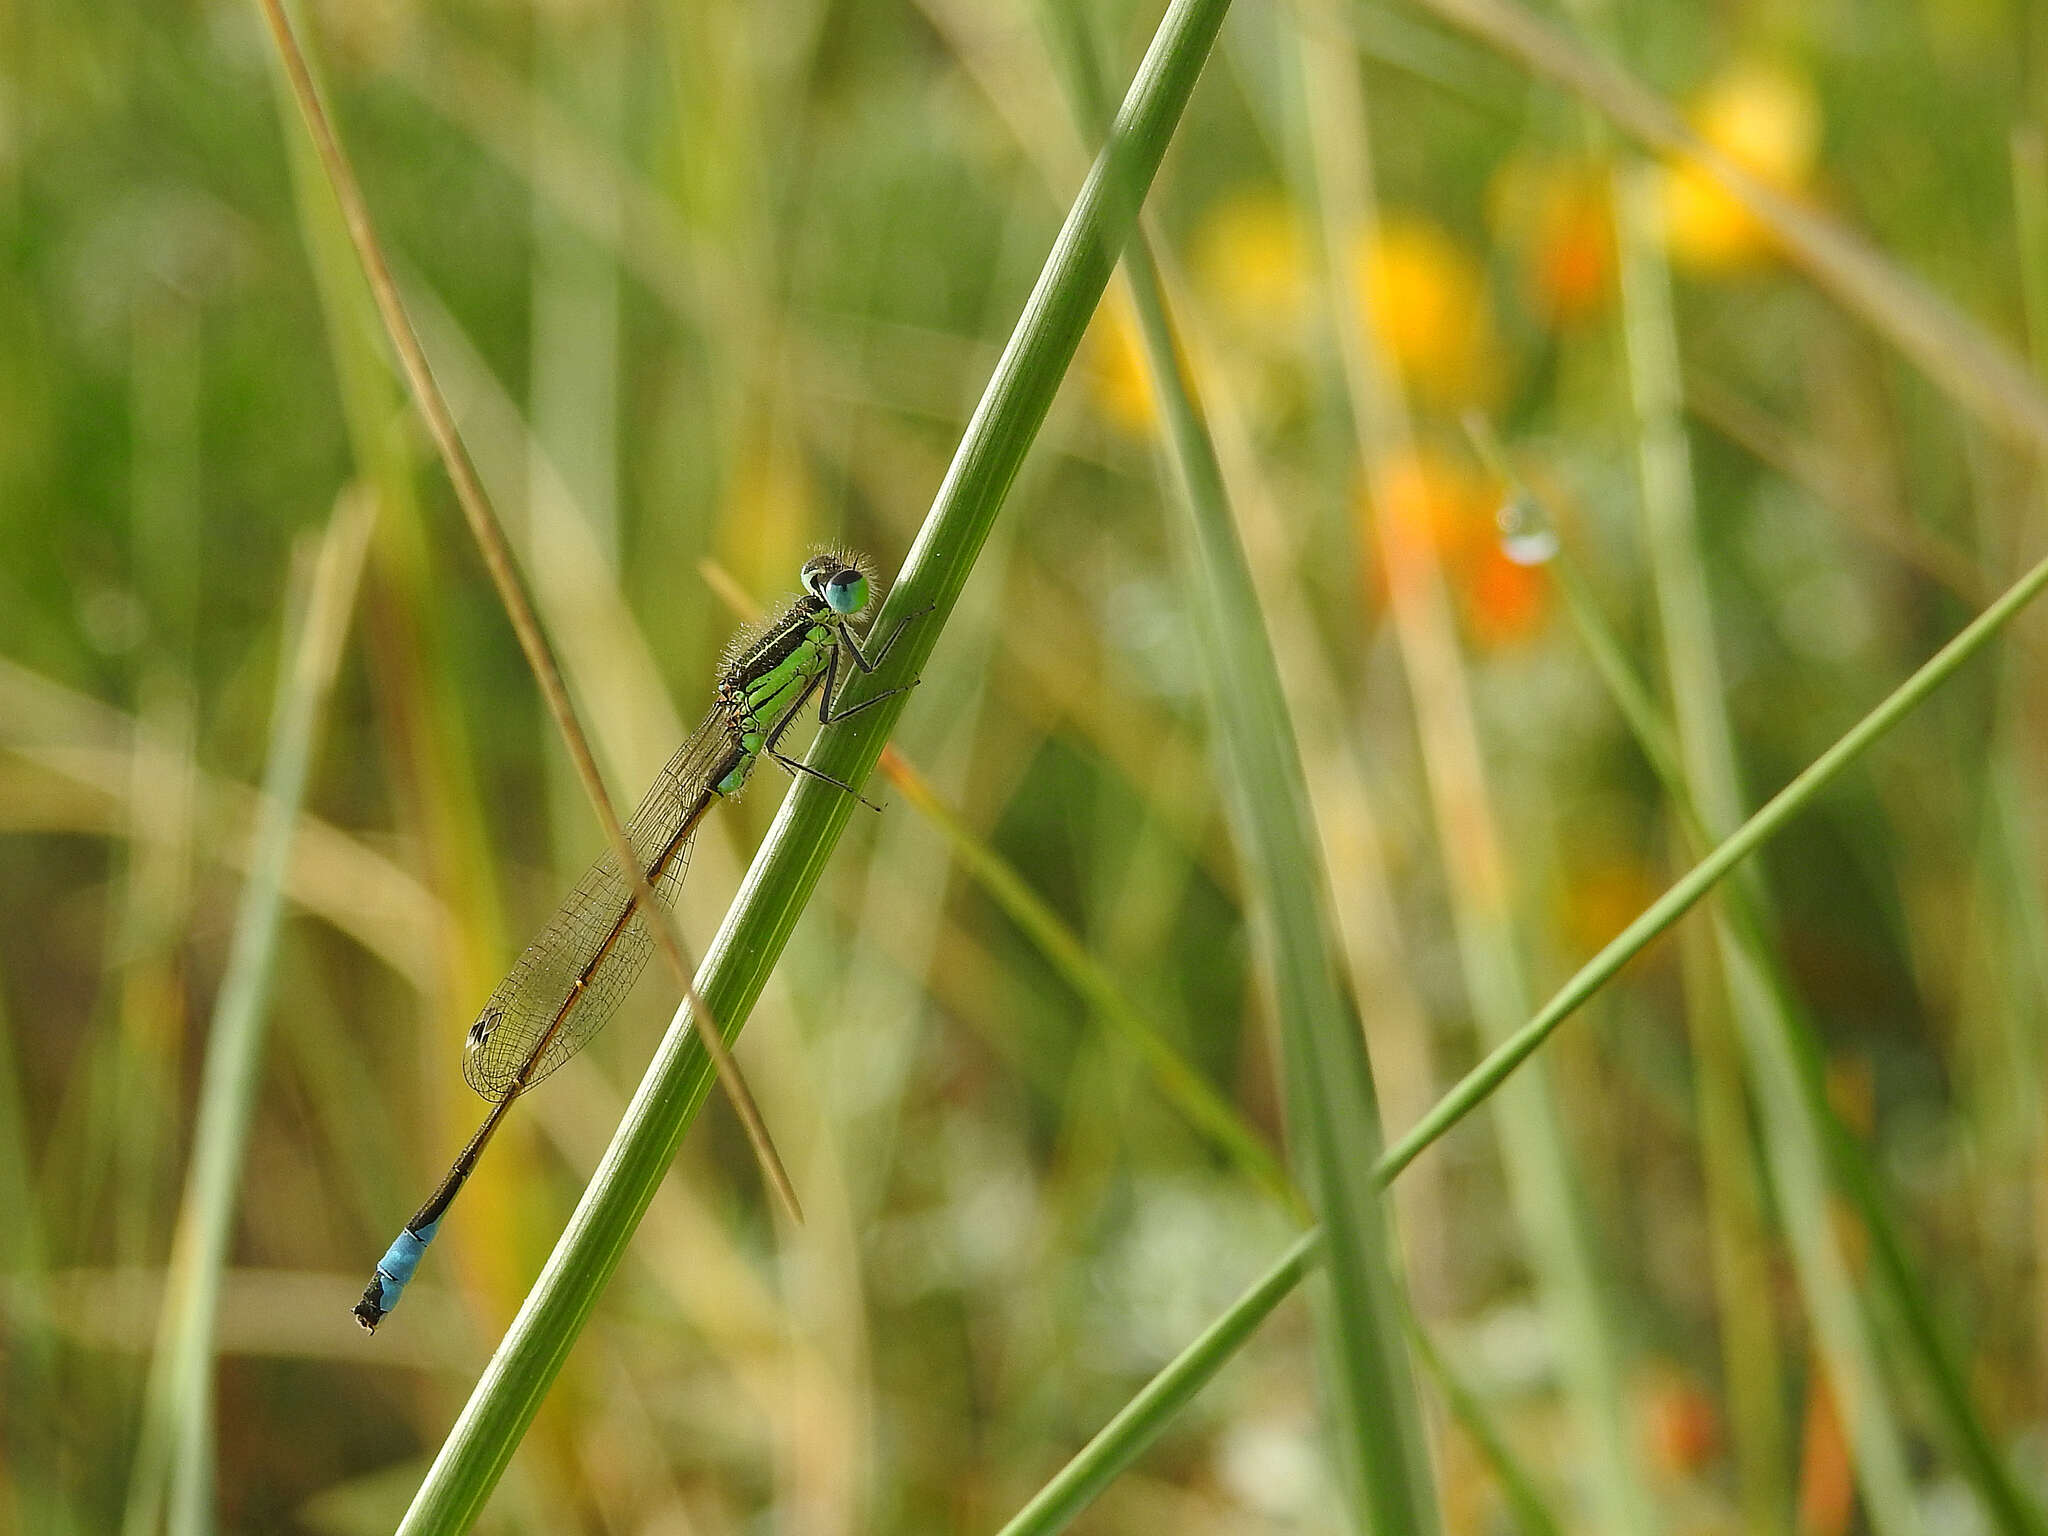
572 978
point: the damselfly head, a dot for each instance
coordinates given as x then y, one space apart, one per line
837 581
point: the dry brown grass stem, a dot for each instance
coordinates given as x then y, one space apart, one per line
497 555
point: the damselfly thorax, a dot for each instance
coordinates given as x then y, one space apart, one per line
571 979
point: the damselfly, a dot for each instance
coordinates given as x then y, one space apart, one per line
571 978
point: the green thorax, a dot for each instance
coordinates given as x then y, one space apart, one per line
767 677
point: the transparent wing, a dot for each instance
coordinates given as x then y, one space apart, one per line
596 937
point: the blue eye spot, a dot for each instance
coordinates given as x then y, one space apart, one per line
846 592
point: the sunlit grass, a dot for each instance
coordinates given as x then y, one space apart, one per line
711 285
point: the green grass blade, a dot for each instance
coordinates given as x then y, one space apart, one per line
1903 1290
1476 1085
1799 1132
1535 1155
1753 1386
1769 819
812 816
176 1449
1516 1485
1141 1420
1177 1079
1334 1120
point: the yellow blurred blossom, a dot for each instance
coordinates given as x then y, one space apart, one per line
1117 377
1555 216
1766 119
1250 259
1428 298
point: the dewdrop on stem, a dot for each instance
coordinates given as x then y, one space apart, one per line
1526 536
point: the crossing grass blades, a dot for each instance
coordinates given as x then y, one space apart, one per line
572 978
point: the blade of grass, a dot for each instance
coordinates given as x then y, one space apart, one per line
1124 1438
1734 1198
1535 1156
2021 774
420 715
1733 1184
1687 890
1760 1434
1793 1141
29 1371
811 817
1789 1052
176 1447
1334 1117
497 555
1524 1502
1185 1374
1177 1079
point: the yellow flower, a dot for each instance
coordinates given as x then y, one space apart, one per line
1116 373
1428 299
1767 120
1251 262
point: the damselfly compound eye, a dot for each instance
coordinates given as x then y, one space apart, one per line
845 591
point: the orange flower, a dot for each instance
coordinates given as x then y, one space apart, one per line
1555 215
1428 300
1423 497
1680 1424
1767 120
1506 601
1434 508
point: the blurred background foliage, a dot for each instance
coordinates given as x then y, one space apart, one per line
713 283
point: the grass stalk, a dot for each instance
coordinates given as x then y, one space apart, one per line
1784 1057
1124 1438
1176 1077
497 554
173 1481
2021 770
811 817
1524 1503
1535 1156
1794 1141
1187 1372
1334 1118
1686 892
